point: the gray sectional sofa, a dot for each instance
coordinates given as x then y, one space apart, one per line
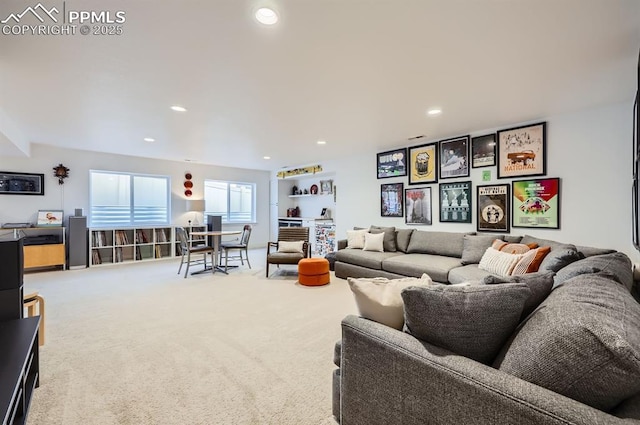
573 358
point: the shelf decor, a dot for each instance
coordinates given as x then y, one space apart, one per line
423 164
61 172
454 158
391 202
522 151
49 218
299 171
536 203
21 183
493 208
392 163
326 187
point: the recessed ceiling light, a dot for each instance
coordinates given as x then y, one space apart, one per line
266 16
434 111
266 157
322 142
149 139
179 108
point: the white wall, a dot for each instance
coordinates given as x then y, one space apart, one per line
74 193
589 150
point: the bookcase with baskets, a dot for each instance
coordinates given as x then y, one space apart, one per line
125 245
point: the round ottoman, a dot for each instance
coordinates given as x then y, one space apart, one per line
313 272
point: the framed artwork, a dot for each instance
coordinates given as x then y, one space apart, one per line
483 151
522 151
536 203
392 163
418 206
21 183
326 187
455 202
454 158
50 218
423 164
391 204
493 208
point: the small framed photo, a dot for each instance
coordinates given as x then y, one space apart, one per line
418 206
326 187
483 151
21 183
522 151
454 158
455 202
493 208
536 203
391 203
392 163
423 164
49 218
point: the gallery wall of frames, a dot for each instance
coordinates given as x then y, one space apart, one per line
527 198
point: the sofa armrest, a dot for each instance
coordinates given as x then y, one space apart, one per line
390 377
342 244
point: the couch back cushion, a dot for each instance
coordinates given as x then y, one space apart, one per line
616 264
389 242
449 244
403 236
582 342
561 254
474 247
539 283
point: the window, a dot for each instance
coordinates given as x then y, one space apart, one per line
234 201
126 199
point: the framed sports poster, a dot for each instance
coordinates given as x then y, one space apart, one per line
493 208
454 158
536 203
391 203
418 206
392 163
455 202
522 151
423 164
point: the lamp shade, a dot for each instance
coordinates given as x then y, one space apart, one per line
196 205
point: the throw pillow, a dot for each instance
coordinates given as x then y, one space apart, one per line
497 262
512 248
561 254
617 265
474 247
472 321
374 242
379 299
403 236
539 283
389 237
530 262
291 246
583 342
355 238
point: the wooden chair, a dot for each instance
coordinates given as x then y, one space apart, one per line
186 250
289 234
32 302
241 245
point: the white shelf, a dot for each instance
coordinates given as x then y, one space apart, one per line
309 194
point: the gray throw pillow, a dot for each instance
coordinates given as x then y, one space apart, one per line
475 246
539 283
583 342
403 236
472 321
616 265
389 242
561 254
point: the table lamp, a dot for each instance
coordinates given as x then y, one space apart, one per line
195 206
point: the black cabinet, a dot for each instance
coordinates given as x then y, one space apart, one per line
11 278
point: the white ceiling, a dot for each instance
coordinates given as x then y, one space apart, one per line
359 74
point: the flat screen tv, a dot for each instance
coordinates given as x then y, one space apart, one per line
636 164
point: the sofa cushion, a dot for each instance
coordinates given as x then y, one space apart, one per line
379 299
474 247
368 259
629 408
436 266
373 242
512 238
616 264
468 273
589 251
473 321
403 236
449 244
512 248
291 247
561 254
582 342
539 283
355 238
389 237
498 262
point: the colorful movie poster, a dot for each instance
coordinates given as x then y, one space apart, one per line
536 203
521 151
493 208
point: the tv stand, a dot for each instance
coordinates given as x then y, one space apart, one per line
43 254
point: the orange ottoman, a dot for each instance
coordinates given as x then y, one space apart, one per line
313 271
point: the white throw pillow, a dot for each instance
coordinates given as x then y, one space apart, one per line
291 247
498 262
374 242
355 238
379 298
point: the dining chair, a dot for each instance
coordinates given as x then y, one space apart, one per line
288 256
186 249
240 245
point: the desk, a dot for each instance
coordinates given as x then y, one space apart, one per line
216 245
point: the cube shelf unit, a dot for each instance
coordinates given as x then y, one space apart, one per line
126 245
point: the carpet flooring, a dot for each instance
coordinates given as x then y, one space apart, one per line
139 344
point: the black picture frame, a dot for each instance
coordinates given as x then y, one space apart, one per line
522 151
454 158
536 203
392 200
423 163
483 151
493 208
418 206
392 163
13 183
455 202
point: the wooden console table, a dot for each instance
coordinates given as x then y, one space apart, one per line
19 374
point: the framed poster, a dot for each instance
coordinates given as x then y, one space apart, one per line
391 204
454 158
417 206
536 203
21 183
423 164
455 202
392 163
493 208
49 218
483 151
522 151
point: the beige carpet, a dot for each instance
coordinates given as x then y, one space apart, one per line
138 344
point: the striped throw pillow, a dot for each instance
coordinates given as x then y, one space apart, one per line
498 262
530 262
